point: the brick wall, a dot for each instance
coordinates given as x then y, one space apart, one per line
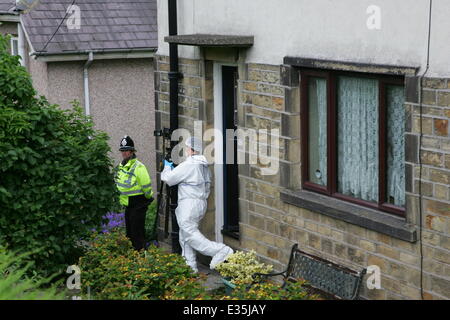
269 98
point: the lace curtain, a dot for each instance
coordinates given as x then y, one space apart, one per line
358 137
396 145
317 93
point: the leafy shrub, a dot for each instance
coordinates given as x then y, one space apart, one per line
241 266
56 179
193 289
112 269
272 291
150 232
14 285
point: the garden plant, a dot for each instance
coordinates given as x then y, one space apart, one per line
16 285
56 176
240 267
112 269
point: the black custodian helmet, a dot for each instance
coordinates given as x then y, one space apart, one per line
127 144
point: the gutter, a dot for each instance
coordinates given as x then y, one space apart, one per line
24 30
101 54
9 17
21 39
87 105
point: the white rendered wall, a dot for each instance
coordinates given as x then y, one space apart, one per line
323 29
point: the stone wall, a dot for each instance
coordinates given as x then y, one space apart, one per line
121 101
271 226
269 97
195 92
435 179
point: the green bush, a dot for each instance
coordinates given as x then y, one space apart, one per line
14 285
273 291
193 289
150 230
56 179
112 269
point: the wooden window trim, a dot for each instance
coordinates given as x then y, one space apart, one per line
331 188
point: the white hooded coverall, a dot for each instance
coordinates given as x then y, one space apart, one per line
194 179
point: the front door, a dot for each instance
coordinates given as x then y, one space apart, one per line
230 172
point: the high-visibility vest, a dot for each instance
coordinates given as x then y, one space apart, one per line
132 179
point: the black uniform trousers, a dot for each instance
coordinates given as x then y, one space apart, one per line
135 220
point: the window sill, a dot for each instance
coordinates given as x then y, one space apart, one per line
358 215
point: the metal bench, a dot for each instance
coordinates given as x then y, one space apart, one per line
322 276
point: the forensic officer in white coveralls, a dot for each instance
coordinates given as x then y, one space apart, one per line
193 179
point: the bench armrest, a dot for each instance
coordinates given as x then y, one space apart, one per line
272 274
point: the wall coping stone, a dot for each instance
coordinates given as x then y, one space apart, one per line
368 218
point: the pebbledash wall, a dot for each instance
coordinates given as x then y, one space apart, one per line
121 96
121 99
275 212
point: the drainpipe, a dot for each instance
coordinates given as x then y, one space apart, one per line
87 105
173 95
21 44
420 148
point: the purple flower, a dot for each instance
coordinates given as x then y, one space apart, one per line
114 219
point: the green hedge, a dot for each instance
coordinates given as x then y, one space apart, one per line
56 176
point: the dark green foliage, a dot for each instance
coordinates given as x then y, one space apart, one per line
273 291
16 89
194 289
112 269
56 181
150 230
14 285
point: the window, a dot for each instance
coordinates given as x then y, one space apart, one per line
14 46
354 128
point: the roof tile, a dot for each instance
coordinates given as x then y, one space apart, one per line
6 5
105 24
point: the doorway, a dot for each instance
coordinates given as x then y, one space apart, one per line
230 175
226 170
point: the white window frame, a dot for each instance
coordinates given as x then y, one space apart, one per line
14 39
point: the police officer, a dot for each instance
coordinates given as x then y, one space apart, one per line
134 185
